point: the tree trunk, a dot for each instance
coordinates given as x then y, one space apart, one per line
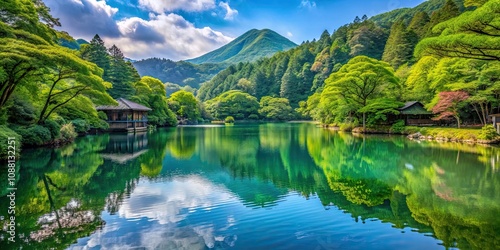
364 122
478 114
458 121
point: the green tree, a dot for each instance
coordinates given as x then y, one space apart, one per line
448 11
121 74
363 81
273 108
297 80
185 106
69 77
420 24
474 34
97 53
368 39
151 92
400 44
418 85
235 103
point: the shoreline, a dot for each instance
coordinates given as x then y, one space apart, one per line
419 134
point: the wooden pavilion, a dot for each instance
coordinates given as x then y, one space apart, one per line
126 116
414 113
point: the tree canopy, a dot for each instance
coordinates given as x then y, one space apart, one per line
474 34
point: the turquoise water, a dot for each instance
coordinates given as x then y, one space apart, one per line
261 186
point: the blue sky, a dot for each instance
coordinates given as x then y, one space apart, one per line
183 29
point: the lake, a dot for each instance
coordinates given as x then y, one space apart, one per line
255 186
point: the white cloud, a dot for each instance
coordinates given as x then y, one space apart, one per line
230 13
169 36
161 35
289 34
307 4
167 201
161 6
85 18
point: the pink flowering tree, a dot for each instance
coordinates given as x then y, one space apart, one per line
449 104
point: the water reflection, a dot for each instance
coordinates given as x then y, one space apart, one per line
208 187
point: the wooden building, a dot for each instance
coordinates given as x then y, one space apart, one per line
495 118
123 147
414 113
127 116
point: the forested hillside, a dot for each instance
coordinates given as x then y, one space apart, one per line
181 73
299 72
443 54
250 46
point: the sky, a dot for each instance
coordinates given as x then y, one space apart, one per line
184 29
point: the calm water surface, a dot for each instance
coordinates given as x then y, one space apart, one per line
263 186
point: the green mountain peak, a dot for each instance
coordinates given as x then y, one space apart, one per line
251 46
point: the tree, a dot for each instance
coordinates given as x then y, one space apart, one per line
474 34
273 108
368 40
151 92
97 53
478 78
185 106
418 85
400 44
420 24
296 82
246 86
448 11
235 103
449 104
121 74
70 77
361 82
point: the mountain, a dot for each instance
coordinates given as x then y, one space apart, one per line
251 46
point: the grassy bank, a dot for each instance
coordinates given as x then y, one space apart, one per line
485 135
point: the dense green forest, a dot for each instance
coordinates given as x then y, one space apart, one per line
441 53
178 74
49 92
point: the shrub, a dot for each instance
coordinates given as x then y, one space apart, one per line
102 115
68 132
60 120
100 124
229 119
5 133
253 117
488 132
347 127
22 112
34 135
53 127
81 126
398 127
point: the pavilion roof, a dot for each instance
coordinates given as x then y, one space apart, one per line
414 108
124 104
